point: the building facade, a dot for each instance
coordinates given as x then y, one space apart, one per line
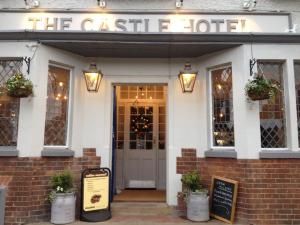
140 123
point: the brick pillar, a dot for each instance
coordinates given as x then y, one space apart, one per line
187 162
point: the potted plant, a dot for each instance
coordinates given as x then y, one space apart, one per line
62 198
197 200
18 86
261 88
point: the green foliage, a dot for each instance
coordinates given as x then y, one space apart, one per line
61 183
192 182
19 85
261 86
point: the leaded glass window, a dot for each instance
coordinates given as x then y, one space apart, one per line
222 107
56 127
297 86
9 107
272 111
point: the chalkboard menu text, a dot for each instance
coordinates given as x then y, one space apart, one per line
223 198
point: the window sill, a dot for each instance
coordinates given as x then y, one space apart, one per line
220 154
279 154
57 152
9 152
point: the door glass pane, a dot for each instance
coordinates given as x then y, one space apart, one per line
149 110
149 136
149 145
161 127
133 110
132 145
120 127
141 127
161 145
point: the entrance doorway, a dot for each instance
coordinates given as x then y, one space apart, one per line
140 138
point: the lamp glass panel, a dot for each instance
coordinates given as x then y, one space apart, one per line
92 80
187 81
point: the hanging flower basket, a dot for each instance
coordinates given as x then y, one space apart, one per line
261 88
19 87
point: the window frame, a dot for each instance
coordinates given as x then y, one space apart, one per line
286 102
296 61
210 108
70 106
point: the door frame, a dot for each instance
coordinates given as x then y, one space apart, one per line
114 130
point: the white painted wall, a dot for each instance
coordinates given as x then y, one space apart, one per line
188 125
33 109
284 5
292 6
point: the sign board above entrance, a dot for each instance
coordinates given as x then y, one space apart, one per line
151 22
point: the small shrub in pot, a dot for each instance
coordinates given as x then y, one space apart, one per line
62 198
196 197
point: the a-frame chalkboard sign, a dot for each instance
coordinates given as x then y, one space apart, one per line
223 199
95 192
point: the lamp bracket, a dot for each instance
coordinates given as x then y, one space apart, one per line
101 3
27 60
252 64
179 3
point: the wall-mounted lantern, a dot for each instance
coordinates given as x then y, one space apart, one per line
93 77
187 78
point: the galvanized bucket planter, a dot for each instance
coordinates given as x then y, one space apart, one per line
198 206
63 208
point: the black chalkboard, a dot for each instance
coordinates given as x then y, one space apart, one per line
223 198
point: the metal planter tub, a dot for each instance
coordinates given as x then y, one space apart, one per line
198 206
63 208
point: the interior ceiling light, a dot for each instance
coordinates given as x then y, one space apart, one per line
32 3
179 3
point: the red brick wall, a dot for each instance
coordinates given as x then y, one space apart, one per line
28 186
269 190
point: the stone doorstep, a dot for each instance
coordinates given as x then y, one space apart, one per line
143 222
133 213
141 209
